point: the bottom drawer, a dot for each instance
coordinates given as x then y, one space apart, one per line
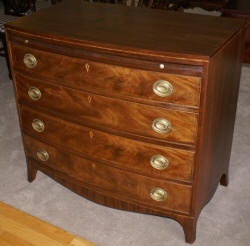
119 183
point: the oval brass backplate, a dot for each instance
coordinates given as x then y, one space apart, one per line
158 194
42 155
29 60
161 125
159 162
162 88
34 93
38 125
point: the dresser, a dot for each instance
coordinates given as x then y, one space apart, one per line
130 108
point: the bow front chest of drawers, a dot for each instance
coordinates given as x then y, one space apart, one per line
131 108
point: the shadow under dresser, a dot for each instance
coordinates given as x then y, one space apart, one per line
131 108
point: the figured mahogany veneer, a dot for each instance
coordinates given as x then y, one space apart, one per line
94 76
93 116
113 180
124 152
91 109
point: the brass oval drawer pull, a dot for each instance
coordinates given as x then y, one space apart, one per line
162 88
161 125
159 162
42 155
29 60
158 194
34 93
38 125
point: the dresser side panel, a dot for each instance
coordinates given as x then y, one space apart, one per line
217 120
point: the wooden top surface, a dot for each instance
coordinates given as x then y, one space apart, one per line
131 29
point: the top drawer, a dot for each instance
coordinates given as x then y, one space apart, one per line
108 79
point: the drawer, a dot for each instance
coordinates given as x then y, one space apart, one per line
110 79
141 157
118 183
103 112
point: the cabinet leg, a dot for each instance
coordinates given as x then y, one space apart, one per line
224 179
31 172
189 228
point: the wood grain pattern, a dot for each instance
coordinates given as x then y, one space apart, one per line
77 241
100 77
118 151
171 65
133 30
113 148
93 110
217 121
188 223
107 199
20 229
118 183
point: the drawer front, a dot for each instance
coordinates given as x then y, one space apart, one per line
119 183
118 151
110 79
104 112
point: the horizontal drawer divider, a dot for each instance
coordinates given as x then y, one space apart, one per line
151 140
107 163
99 92
147 62
97 189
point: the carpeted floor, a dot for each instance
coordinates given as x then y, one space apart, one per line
224 221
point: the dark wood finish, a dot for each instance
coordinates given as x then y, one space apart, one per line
188 223
110 200
98 128
159 28
100 146
108 78
92 110
31 171
245 15
189 228
145 61
113 180
25 80
217 120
